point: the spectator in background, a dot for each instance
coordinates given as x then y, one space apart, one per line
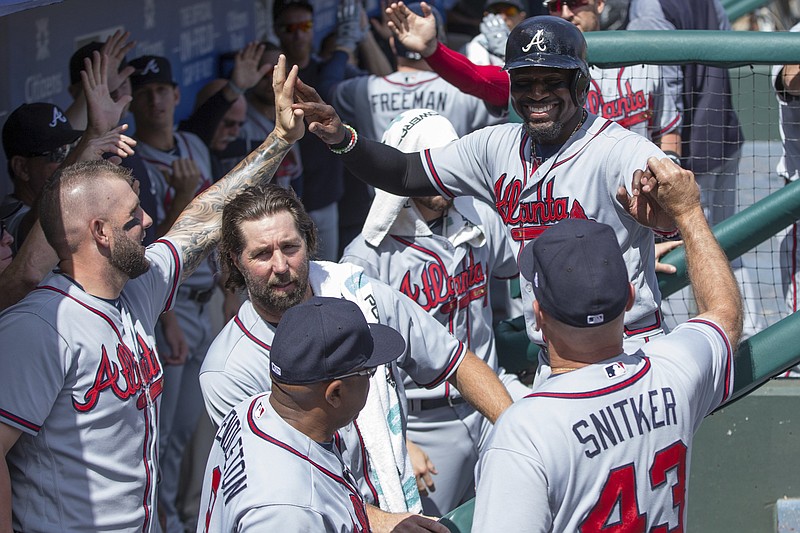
35 258
786 81
499 18
323 184
37 138
6 252
220 110
260 119
181 168
711 135
119 86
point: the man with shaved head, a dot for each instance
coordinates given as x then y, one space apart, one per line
80 376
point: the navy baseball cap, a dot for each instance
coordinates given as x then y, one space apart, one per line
578 273
323 338
37 128
151 69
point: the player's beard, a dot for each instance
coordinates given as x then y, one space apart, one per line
545 133
263 294
127 256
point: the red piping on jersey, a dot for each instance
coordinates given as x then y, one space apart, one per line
147 473
435 175
728 356
272 440
599 392
669 127
364 461
176 279
249 335
19 420
441 377
594 135
398 84
657 325
144 411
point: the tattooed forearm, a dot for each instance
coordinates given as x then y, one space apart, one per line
197 229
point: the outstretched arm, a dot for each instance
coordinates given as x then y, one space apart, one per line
377 164
481 387
715 288
487 82
197 229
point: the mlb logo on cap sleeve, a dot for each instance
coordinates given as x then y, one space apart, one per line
275 368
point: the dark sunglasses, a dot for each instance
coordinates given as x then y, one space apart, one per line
366 372
556 6
296 26
56 156
509 11
3 229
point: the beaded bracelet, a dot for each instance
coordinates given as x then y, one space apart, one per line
350 145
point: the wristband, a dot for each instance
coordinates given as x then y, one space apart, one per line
235 88
673 156
347 144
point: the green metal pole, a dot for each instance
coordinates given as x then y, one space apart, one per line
741 232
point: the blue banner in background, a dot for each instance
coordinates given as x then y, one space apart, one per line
36 44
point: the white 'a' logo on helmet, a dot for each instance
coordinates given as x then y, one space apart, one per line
537 40
151 66
58 116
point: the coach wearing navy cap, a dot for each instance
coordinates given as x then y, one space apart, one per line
280 453
606 438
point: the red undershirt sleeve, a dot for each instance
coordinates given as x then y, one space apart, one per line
490 83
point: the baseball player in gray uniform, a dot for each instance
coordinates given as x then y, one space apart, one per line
563 162
165 151
617 451
786 80
372 102
268 240
324 353
79 405
442 254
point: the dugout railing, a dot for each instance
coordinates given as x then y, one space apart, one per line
743 466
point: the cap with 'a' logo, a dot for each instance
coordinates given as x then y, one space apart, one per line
37 128
151 69
578 272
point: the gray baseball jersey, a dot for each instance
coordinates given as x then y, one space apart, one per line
237 364
580 181
636 98
450 281
616 453
83 386
189 146
253 449
478 52
448 278
371 102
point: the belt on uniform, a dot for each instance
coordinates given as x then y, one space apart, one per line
434 403
201 297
